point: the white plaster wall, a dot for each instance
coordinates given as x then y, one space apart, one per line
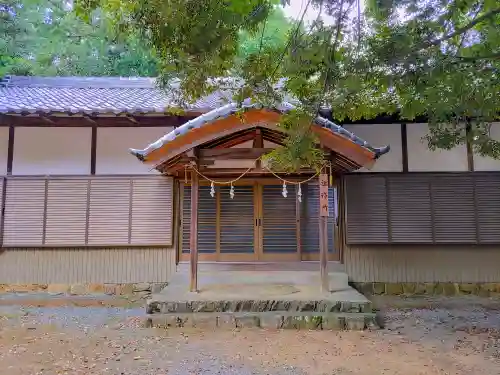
378 135
51 151
422 159
482 163
4 144
113 144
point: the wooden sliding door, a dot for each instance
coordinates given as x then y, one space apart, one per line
278 227
237 218
258 224
227 228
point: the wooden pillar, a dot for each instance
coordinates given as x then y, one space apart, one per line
323 232
193 234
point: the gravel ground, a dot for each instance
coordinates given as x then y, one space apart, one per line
432 339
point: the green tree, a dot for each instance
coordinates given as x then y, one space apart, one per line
15 29
438 58
441 58
43 37
271 33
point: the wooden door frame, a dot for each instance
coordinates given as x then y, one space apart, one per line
258 254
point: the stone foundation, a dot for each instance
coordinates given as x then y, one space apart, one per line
446 289
268 320
143 290
253 306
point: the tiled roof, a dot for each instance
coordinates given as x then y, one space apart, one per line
232 108
92 95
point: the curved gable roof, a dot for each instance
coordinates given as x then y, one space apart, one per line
225 120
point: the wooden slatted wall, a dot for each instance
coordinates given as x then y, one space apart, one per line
151 206
97 211
66 212
3 181
109 212
487 194
417 205
424 208
453 223
24 212
367 211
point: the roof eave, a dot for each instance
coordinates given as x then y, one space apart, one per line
367 153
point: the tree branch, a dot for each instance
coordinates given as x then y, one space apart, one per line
463 29
493 56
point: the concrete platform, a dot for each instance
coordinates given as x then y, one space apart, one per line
312 266
288 298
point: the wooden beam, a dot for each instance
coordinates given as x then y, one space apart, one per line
226 171
233 153
10 150
93 150
239 171
237 141
47 120
90 120
258 143
470 149
404 146
76 120
323 232
193 233
132 119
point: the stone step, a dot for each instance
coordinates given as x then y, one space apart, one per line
242 306
269 320
299 266
338 281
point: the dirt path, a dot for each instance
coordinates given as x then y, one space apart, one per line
459 339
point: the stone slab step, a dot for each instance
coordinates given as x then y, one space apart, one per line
269 320
300 266
239 306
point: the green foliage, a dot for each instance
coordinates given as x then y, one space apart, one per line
196 40
42 37
443 61
437 58
298 151
272 33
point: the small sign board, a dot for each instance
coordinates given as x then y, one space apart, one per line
323 195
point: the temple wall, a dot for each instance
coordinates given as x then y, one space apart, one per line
83 265
482 163
422 159
381 135
422 263
51 151
113 145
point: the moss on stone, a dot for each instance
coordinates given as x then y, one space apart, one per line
394 289
468 288
379 288
409 288
450 289
420 288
